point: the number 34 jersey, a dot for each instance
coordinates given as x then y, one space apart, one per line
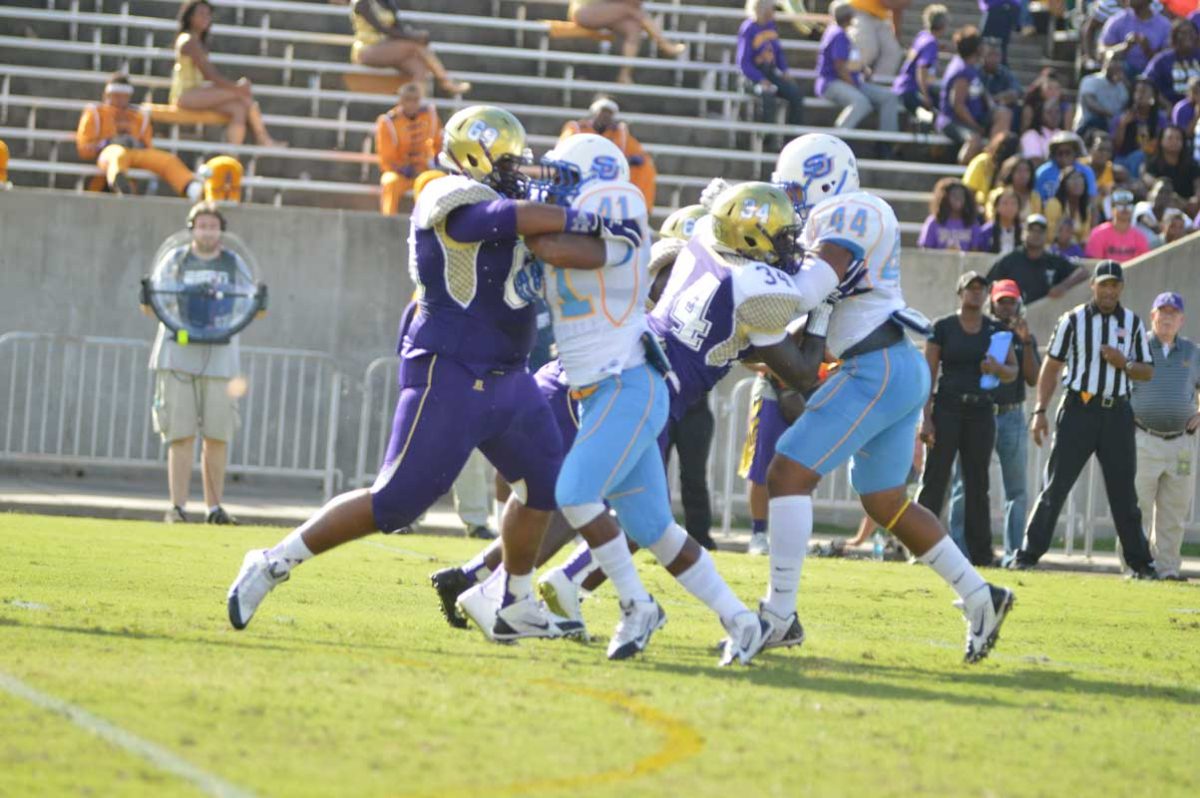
715 308
866 226
599 315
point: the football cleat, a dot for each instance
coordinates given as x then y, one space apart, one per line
450 583
781 632
747 634
983 622
561 595
258 577
639 621
480 605
530 618
759 544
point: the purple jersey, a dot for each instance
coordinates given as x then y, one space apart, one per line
1171 73
953 234
463 246
1156 29
1182 114
976 94
924 53
835 46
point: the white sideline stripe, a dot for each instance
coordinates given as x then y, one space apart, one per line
160 757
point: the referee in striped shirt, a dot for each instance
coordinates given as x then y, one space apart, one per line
1103 347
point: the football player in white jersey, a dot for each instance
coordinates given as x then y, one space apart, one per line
868 412
604 343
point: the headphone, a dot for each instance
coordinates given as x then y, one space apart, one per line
203 209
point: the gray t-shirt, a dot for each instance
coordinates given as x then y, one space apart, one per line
1166 401
202 360
1112 97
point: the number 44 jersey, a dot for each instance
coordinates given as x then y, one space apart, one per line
715 308
599 315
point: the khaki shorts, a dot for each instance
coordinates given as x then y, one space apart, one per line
185 405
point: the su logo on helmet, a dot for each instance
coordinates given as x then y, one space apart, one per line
817 166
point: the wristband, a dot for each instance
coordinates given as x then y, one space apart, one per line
582 222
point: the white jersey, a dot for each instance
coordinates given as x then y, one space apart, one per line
866 226
599 315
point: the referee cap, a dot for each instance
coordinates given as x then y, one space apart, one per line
1108 270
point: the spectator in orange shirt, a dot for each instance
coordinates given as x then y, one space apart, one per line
603 121
119 138
4 184
407 139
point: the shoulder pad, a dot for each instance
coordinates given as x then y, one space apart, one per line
440 197
766 298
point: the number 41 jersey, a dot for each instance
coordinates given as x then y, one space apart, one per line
715 308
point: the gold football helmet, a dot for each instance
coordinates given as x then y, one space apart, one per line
681 222
487 144
757 221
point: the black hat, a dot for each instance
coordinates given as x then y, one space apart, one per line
970 277
1108 270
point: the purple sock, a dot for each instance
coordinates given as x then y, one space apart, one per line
758 525
579 561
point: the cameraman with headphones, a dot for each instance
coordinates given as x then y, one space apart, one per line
196 385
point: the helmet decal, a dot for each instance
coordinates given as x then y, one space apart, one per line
817 166
606 167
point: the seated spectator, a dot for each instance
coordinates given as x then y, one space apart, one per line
5 184
1046 89
381 41
1003 234
1066 149
1171 70
1102 96
876 32
1174 162
1098 13
761 58
1035 142
1118 240
953 222
1037 271
916 85
1072 199
1137 33
196 85
1135 134
963 114
1184 113
999 20
1146 222
1175 225
407 140
626 19
840 77
1016 173
981 173
119 138
998 79
605 122
1099 160
1064 243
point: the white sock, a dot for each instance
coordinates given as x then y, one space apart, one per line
789 526
517 587
948 562
291 550
498 508
476 568
194 190
703 582
617 562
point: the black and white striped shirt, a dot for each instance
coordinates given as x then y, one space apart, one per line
1077 340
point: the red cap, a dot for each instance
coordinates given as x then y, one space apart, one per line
1003 288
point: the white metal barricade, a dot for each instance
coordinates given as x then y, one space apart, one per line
86 400
380 389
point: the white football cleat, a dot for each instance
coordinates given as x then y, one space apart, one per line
984 620
561 595
747 633
639 621
258 577
760 544
781 632
530 618
480 604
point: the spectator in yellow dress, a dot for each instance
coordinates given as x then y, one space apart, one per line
604 122
407 139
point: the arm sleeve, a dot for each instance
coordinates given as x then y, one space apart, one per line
484 221
385 143
1092 250
435 136
87 134
1141 346
1060 342
780 58
928 237
939 333
745 55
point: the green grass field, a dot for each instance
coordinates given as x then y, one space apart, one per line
348 682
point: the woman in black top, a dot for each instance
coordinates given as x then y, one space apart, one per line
1175 162
959 420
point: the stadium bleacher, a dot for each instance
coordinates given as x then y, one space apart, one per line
691 112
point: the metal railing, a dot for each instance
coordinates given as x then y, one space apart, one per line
380 389
86 400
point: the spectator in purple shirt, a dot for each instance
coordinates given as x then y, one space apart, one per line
1003 233
916 85
1171 69
840 77
760 56
999 19
1183 115
953 222
1138 33
963 112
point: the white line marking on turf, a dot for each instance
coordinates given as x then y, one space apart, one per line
154 754
28 605
399 550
